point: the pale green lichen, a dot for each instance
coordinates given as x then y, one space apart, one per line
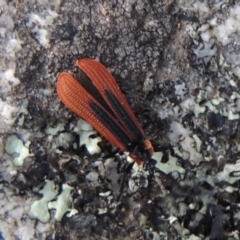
198 109
198 142
194 237
232 116
55 130
232 83
229 173
85 130
217 101
211 107
235 95
15 147
170 166
39 209
63 203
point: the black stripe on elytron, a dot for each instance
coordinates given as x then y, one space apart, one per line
108 121
124 116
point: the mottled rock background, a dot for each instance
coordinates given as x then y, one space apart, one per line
178 64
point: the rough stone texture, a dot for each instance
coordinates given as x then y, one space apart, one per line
178 64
